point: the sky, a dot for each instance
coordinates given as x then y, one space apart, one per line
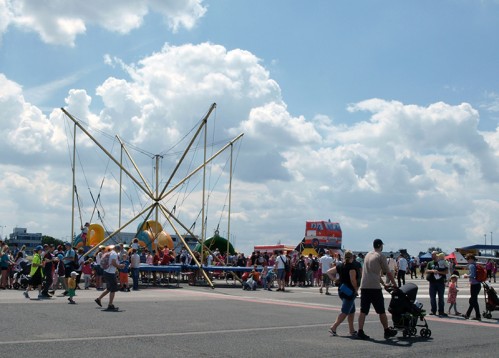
381 116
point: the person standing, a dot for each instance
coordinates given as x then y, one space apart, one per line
326 263
348 277
435 273
135 267
110 278
402 269
475 287
280 264
371 293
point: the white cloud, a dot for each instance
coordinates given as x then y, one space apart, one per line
424 168
61 22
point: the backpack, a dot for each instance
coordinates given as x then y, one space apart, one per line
301 265
481 273
104 261
315 265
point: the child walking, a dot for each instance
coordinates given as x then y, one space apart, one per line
72 287
452 294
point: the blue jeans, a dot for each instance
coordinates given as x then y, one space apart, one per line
135 278
437 288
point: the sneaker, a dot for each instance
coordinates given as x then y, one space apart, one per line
97 300
362 335
443 314
111 307
25 294
390 332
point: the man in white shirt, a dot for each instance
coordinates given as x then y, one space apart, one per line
392 266
110 277
280 265
402 269
326 263
135 267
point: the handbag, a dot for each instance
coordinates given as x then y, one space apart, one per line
347 291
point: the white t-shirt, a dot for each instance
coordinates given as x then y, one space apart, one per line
112 256
135 260
392 264
402 264
280 260
326 262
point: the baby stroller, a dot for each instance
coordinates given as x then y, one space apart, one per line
491 300
21 278
407 312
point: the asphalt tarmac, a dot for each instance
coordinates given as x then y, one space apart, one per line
198 321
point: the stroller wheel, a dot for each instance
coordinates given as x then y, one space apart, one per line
488 315
16 285
405 333
414 331
425 332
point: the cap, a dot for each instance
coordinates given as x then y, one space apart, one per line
60 256
67 243
377 243
454 276
38 248
74 273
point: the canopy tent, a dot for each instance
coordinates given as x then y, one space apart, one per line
480 247
425 257
216 242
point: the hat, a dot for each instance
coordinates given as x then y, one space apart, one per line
38 248
60 256
377 243
74 273
454 276
67 243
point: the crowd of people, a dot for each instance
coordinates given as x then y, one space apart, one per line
69 269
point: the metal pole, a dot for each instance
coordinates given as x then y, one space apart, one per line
230 202
74 186
108 154
203 223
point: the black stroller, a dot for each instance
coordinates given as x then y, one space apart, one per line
21 278
407 312
491 300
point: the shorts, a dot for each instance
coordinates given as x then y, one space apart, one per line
111 282
372 296
36 279
124 278
98 270
281 274
67 270
325 279
347 306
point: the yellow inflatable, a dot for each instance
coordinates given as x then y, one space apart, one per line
163 239
152 225
95 234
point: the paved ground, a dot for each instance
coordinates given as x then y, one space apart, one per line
223 322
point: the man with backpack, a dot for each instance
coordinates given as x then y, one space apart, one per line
110 263
475 287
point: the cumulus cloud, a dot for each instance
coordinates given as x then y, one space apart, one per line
61 22
402 165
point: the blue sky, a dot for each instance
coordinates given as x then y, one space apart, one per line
380 115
